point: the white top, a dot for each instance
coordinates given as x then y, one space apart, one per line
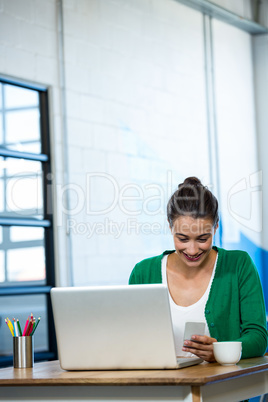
180 315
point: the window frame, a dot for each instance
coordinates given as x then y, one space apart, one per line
47 222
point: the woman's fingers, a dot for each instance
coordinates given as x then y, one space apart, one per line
204 339
201 346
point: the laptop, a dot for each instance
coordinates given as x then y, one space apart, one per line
115 328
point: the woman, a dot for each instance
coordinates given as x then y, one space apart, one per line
206 283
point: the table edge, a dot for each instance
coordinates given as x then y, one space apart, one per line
138 381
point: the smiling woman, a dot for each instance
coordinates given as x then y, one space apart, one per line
206 283
193 238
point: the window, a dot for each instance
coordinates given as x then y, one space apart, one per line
26 225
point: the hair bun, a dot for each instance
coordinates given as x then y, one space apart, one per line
192 199
190 181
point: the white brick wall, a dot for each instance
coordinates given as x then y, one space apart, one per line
28 51
236 128
135 99
126 69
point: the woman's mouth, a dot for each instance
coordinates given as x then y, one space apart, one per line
192 257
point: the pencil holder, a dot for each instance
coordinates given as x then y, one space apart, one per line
23 355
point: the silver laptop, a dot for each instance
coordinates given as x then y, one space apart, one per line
115 328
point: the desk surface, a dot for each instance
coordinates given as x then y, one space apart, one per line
50 373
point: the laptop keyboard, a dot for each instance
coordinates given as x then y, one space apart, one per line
183 359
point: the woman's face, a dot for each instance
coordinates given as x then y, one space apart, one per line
193 239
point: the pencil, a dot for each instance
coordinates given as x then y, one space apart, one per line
30 327
16 329
18 323
34 325
34 329
10 327
25 327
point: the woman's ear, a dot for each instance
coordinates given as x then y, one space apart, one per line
216 227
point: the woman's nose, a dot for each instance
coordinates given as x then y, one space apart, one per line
192 248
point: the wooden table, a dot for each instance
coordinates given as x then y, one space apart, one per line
205 382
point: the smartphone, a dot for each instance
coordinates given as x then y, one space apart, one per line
193 328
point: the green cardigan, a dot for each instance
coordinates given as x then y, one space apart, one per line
235 310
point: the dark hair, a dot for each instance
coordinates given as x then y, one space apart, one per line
193 199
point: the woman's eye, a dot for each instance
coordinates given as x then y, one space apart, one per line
182 240
202 240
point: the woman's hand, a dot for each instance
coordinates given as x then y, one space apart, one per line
201 346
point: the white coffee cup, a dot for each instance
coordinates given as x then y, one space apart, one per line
227 353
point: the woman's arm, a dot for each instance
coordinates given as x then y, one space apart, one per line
236 309
252 311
